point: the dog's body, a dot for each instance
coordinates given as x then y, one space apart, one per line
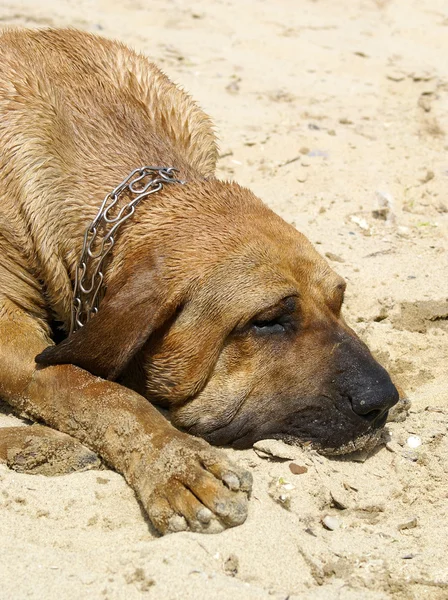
215 308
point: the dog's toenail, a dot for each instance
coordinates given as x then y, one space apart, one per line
231 481
222 508
177 523
204 515
246 481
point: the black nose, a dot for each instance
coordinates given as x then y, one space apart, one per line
362 380
375 398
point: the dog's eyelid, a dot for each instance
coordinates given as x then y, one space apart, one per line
277 319
284 307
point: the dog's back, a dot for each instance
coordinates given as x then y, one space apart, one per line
68 74
77 113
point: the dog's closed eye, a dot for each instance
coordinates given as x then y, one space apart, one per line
268 327
277 319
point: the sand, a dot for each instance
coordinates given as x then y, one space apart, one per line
336 114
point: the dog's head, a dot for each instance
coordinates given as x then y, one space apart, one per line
227 315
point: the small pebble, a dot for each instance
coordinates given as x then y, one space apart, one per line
393 447
334 257
286 485
414 441
411 524
362 223
330 523
231 565
340 499
277 449
297 469
403 231
279 490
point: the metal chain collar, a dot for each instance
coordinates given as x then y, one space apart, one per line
88 290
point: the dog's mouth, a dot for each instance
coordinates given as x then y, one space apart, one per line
366 442
328 430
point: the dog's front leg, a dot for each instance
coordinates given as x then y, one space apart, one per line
181 481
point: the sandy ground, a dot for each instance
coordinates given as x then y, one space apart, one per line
336 114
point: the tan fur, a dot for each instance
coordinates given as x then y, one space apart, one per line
195 276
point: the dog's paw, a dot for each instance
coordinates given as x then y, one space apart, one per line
192 486
39 450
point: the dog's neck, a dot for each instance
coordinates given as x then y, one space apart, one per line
168 219
99 239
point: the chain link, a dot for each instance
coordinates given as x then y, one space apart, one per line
89 289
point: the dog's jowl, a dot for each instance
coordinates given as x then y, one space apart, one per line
169 287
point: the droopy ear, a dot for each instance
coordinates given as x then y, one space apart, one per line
132 309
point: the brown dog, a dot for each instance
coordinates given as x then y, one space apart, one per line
215 308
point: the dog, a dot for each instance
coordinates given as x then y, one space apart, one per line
202 301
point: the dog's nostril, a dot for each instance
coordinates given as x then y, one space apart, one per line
373 415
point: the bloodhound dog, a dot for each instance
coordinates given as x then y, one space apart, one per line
131 278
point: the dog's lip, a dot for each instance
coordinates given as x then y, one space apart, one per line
366 441
241 435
